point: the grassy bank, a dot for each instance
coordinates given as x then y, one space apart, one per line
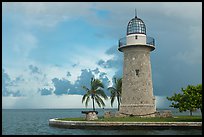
138 119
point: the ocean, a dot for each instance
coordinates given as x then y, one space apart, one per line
35 122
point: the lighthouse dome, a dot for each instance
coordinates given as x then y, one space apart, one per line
136 26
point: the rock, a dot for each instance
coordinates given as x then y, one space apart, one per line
91 116
165 113
108 114
118 114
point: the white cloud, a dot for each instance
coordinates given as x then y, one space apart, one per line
28 84
65 101
47 14
51 101
23 43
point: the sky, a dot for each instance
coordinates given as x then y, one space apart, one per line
51 49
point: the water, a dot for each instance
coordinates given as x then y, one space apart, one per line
35 122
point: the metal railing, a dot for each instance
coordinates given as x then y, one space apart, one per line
122 42
149 41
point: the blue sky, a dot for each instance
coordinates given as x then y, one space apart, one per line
50 49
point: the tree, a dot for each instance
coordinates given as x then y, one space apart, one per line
95 93
199 97
116 91
191 99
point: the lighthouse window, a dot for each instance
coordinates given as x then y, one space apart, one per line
137 72
135 36
136 26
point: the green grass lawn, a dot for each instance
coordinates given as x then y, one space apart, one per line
138 119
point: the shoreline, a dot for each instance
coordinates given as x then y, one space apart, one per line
122 125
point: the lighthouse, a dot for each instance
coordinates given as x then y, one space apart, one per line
137 97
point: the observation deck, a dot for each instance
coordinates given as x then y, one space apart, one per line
149 42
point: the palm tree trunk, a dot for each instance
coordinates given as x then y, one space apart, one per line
118 103
93 104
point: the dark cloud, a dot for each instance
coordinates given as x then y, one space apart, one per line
34 69
96 71
83 80
177 59
45 91
61 86
68 74
168 75
17 94
76 64
7 82
104 79
116 62
102 63
16 81
64 86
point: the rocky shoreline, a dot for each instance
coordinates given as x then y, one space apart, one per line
121 125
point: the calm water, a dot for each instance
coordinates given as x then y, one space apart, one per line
35 122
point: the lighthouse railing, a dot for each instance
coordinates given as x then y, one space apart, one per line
149 41
122 42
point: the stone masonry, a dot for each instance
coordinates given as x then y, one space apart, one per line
137 90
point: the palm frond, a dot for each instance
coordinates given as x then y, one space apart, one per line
87 101
99 100
112 100
85 88
111 89
101 93
115 90
97 83
95 92
84 97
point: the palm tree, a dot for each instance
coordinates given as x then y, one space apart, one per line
96 93
116 91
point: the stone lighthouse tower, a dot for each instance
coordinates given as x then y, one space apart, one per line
137 91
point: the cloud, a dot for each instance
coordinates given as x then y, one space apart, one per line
23 42
7 83
45 91
192 54
32 81
61 86
96 71
51 101
83 80
176 61
64 101
26 83
47 14
34 69
116 62
68 74
64 86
